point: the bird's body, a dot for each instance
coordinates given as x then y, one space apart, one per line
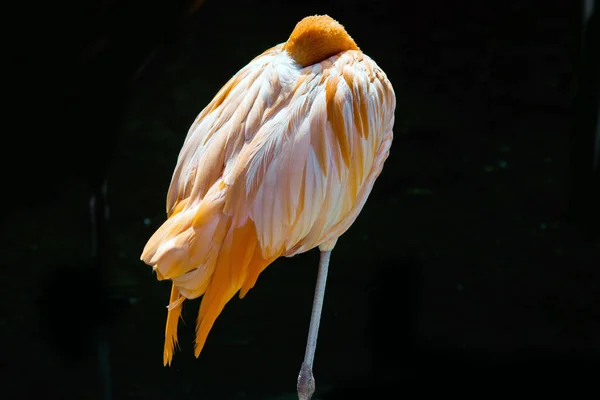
281 161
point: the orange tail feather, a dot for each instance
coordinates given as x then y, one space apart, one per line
174 312
240 259
204 252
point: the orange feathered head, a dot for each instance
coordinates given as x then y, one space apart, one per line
317 38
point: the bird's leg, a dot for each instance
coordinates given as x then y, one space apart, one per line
306 381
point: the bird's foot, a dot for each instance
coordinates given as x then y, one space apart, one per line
306 383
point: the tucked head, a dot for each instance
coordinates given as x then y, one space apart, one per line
317 38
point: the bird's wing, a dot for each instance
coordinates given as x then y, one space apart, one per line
218 133
308 170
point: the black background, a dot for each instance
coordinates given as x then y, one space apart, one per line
474 267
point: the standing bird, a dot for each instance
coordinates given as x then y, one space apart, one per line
281 161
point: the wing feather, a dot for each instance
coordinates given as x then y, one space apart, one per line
320 148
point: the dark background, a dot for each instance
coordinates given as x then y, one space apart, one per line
474 267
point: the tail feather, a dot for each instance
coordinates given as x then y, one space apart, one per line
163 232
204 252
174 250
255 267
173 314
240 255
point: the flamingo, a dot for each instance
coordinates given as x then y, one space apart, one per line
281 161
